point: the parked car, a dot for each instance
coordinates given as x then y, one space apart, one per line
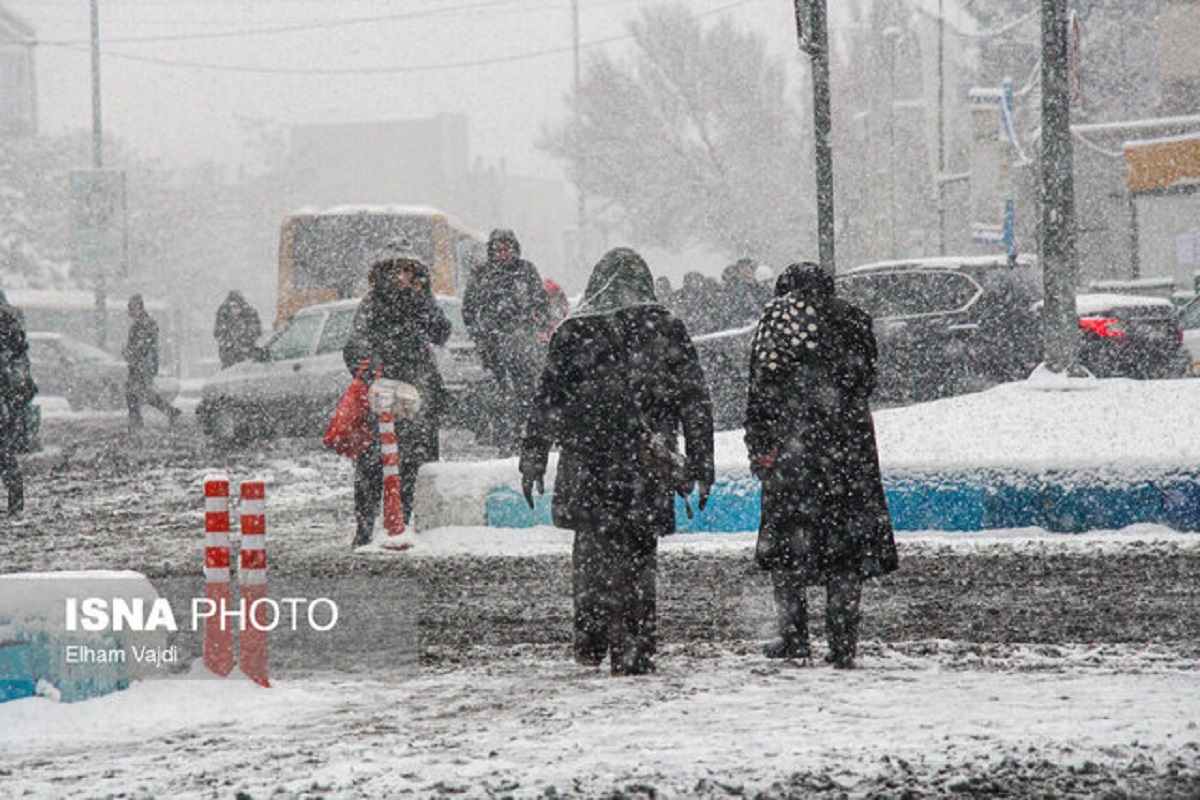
1130 336
88 377
949 325
294 384
1189 321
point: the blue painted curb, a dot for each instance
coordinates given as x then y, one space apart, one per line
1069 502
28 659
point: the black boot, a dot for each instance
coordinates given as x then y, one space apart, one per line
791 612
787 648
843 593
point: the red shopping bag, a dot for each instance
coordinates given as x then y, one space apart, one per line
349 433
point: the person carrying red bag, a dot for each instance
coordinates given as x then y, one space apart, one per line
394 330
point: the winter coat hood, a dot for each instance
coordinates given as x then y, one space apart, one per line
619 280
807 279
506 236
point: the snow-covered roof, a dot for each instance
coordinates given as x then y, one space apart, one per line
69 299
944 262
1098 302
368 208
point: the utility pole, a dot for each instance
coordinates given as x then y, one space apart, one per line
1060 323
812 34
98 164
581 209
97 128
941 126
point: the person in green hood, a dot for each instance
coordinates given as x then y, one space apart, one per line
621 372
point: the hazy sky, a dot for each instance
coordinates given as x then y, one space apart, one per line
178 74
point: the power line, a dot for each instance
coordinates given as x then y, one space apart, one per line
302 26
393 70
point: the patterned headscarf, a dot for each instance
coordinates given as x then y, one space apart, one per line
792 326
806 278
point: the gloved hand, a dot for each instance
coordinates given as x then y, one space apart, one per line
528 482
702 490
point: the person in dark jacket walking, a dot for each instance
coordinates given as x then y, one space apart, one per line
17 390
393 332
811 441
619 364
141 354
505 308
236 329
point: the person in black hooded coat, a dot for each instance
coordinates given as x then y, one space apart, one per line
618 353
141 355
505 308
393 330
811 441
236 329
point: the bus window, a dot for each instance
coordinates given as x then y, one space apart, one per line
334 251
324 255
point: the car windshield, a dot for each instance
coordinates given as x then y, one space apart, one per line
296 339
337 330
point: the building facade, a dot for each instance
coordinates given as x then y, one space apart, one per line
18 89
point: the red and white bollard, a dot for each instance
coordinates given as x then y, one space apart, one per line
218 639
252 580
393 504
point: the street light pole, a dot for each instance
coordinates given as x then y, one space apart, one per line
98 163
941 126
813 36
97 128
1061 326
581 209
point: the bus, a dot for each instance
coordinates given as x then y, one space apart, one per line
324 255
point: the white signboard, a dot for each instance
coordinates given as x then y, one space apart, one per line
991 166
98 219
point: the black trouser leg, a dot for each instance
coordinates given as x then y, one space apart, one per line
14 482
368 491
634 623
791 615
591 583
842 615
408 486
133 399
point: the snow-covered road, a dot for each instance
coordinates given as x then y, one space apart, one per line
1013 662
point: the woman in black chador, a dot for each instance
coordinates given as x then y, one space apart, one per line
618 359
394 327
811 441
